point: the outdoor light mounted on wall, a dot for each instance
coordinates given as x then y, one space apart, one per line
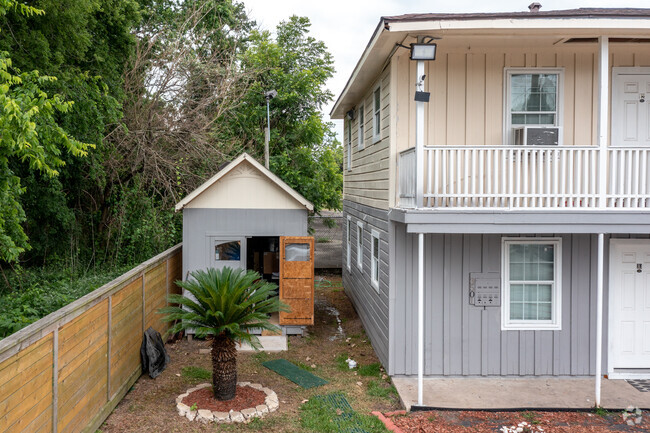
350 114
423 51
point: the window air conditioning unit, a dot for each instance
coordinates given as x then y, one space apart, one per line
537 135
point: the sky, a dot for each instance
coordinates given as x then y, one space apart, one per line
347 25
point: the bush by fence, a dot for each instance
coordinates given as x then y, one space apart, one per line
67 371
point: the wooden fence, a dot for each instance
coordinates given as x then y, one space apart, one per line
68 371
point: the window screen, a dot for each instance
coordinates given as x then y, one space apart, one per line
297 253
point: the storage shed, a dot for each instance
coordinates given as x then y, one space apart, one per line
246 217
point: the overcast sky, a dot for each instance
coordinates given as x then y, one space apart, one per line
346 25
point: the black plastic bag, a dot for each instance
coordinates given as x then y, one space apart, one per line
153 354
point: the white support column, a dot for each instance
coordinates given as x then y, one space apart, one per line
420 317
599 315
603 112
419 138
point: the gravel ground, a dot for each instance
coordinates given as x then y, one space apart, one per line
548 422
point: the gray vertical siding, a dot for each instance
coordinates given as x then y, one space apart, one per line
372 306
463 340
199 223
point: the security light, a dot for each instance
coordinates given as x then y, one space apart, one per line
270 94
350 114
423 51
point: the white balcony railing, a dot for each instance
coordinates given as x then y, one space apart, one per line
525 177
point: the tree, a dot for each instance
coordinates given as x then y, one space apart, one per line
29 136
226 304
303 147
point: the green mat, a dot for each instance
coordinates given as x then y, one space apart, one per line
294 373
346 421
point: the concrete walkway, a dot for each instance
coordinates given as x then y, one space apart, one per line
502 393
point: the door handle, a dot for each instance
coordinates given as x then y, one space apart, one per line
642 98
639 267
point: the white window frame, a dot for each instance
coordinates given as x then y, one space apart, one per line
374 260
348 259
559 100
360 245
556 301
349 143
376 115
361 142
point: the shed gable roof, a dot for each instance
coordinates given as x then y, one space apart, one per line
245 183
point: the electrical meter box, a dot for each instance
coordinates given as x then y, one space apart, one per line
485 289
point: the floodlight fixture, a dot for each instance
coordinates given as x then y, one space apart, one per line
421 51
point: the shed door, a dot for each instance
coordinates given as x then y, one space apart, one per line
227 252
297 279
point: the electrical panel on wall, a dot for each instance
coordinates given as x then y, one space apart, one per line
485 289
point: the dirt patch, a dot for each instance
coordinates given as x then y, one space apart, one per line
245 397
548 422
151 404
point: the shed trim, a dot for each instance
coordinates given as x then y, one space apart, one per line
245 157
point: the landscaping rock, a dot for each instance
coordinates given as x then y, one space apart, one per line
267 391
180 398
221 416
182 408
249 413
256 386
236 416
205 416
190 414
272 404
244 383
262 409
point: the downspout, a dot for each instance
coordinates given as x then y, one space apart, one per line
420 317
603 112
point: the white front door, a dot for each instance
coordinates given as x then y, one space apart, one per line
629 304
630 112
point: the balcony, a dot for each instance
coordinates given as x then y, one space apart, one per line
525 177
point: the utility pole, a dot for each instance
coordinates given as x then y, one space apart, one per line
267 132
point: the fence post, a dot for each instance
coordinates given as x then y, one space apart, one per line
55 379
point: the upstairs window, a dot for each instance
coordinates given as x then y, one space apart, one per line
349 144
531 283
533 99
376 119
362 124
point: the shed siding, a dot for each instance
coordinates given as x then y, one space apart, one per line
199 223
367 182
463 340
371 305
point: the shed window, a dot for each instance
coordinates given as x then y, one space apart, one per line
532 291
361 133
376 119
296 253
360 245
374 260
227 251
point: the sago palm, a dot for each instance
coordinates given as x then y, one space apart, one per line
226 304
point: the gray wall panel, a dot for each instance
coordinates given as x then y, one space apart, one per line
463 340
371 305
199 223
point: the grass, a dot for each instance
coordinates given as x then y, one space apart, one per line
381 389
370 370
341 361
196 373
531 417
600 411
317 416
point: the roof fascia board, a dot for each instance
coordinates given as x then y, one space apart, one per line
521 23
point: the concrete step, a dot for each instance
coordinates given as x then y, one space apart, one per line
270 343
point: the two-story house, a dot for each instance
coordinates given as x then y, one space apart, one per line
500 224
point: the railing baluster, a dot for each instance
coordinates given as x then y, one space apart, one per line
643 190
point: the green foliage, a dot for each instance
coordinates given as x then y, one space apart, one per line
317 416
341 361
381 389
370 370
196 373
531 417
224 301
26 296
601 411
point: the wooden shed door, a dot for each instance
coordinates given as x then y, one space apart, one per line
297 279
